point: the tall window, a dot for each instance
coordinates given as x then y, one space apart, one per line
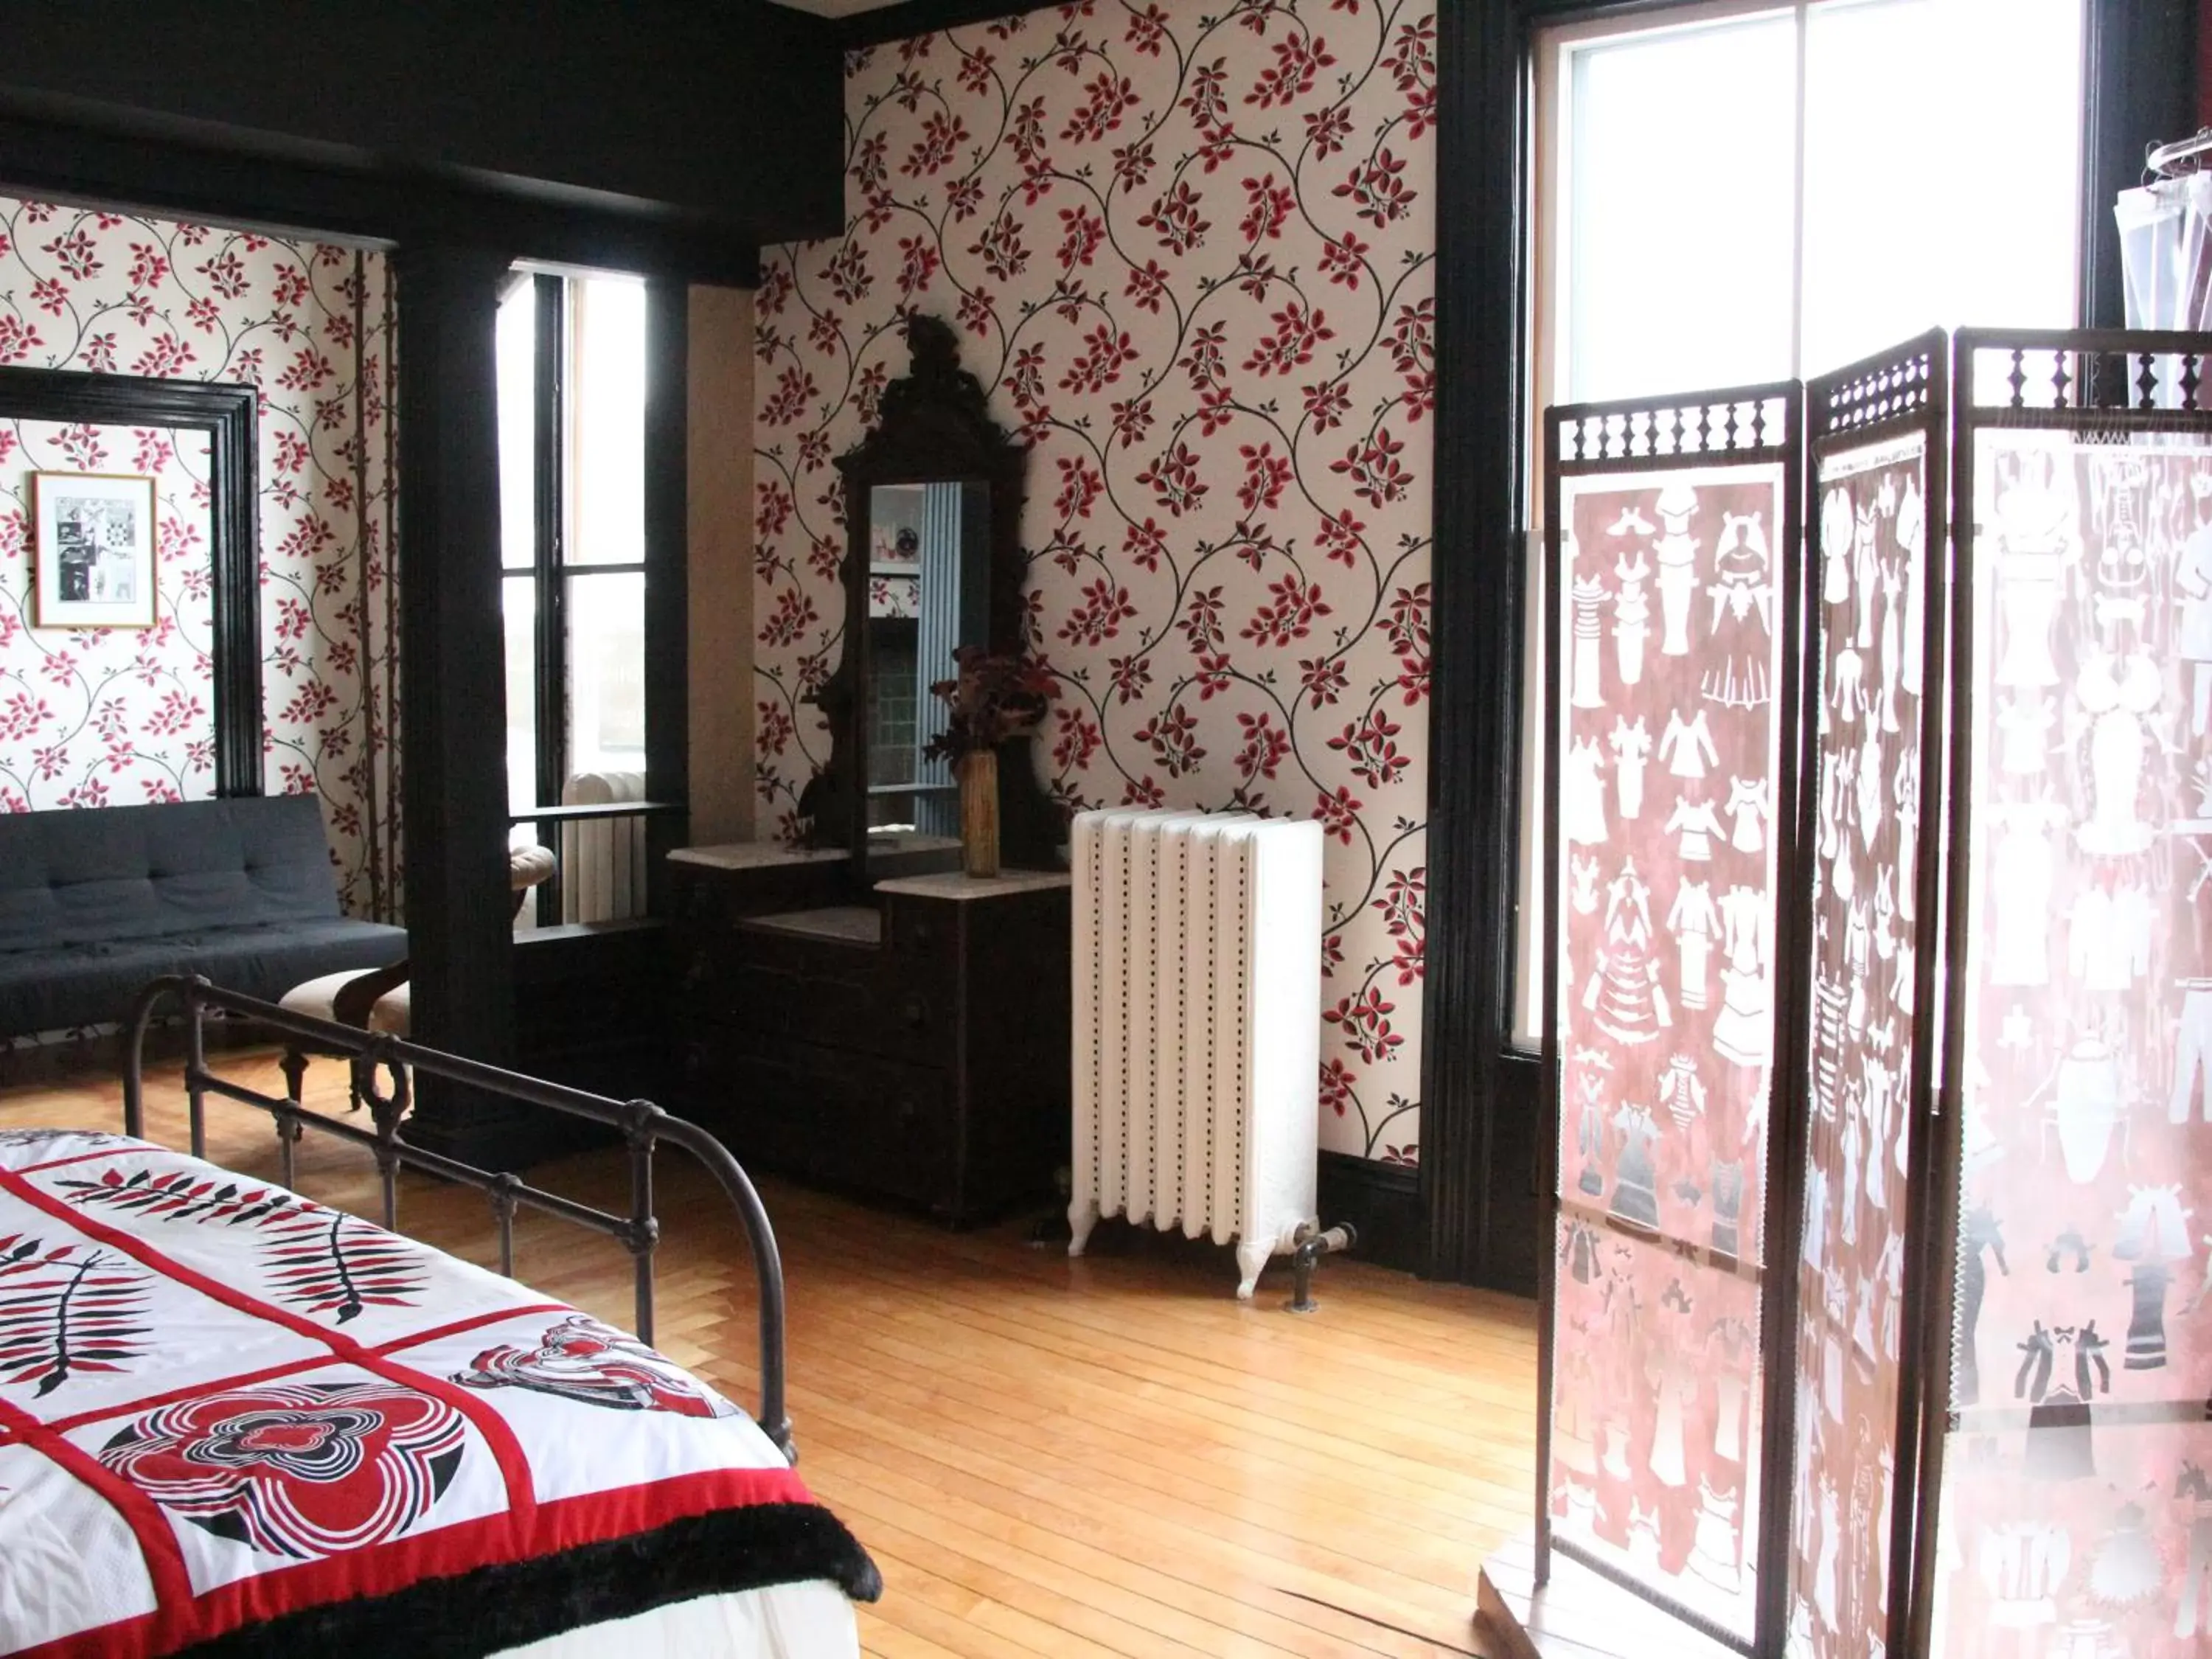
571 362
1732 194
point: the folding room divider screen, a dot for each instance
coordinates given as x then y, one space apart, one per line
1766 1320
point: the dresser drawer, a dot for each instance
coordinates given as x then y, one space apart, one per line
836 1115
855 999
926 934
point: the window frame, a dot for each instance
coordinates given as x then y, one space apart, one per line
1481 1097
1546 267
1550 33
549 384
551 573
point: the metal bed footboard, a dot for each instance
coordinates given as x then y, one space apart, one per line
643 1125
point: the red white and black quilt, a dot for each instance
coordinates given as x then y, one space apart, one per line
232 1421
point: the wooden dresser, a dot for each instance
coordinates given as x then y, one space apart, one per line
908 1039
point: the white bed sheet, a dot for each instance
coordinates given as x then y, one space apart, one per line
808 1620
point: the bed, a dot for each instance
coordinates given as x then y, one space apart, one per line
233 1422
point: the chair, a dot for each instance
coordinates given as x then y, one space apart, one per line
378 999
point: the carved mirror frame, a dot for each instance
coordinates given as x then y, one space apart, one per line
933 425
229 415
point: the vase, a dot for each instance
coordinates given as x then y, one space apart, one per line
979 812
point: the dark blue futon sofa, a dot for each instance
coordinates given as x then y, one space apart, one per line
94 903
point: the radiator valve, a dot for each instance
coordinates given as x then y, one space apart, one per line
1309 1244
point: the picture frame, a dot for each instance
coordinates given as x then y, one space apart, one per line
229 414
97 553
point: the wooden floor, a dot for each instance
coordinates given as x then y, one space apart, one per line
1046 1458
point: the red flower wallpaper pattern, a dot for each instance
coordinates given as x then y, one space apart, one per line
111 718
1190 250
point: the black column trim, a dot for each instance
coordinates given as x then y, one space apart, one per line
548 394
667 576
229 415
453 671
1475 1167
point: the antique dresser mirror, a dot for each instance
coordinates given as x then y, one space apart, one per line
933 562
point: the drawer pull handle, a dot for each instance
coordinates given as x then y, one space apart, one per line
908 1111
916 1011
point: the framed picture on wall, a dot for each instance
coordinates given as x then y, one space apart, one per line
95 551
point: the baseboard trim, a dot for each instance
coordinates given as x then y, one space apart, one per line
1382 1201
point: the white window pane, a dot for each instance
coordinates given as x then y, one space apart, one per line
1942 178
518 608
1679 163
607 514
606 673
1942 170
515 364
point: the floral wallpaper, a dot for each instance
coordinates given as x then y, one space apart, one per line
114 717
1190 249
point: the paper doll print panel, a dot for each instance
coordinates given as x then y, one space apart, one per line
1656 1418
1668 611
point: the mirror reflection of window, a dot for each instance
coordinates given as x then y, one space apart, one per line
926 588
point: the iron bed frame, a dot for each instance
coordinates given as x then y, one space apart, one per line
643 1125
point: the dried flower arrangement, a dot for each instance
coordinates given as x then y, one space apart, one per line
994 695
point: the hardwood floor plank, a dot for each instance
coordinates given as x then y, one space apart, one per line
1140 1551
1141 1442
1029 1584
1307 1527
975 1626
1279 1349
880 1637
999 1311
1199 1426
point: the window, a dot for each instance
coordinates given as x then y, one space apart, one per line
1727 194
571 355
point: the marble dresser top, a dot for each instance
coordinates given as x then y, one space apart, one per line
757 855
953 885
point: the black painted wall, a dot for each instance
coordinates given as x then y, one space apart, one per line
701 124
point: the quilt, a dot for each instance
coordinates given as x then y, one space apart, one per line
233 1421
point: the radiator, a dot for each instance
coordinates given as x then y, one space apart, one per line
603 859
1197 983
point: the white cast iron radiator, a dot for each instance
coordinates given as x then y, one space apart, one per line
1197 1026
603 859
